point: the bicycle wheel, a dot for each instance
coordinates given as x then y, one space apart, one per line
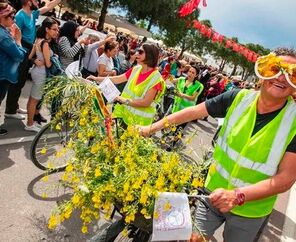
47 149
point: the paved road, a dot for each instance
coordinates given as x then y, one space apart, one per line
24 213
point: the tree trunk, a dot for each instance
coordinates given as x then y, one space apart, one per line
150 25
222 64
233 70
244 73
102 17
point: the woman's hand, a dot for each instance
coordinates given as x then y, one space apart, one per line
121 100
91 77
16 34
179 94
144 130
38 62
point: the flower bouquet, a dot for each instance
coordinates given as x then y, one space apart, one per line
127 171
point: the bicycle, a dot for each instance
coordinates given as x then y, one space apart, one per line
164 108
48 149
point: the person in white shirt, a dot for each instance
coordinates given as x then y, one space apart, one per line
105 62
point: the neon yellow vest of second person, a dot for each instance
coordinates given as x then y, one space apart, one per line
139 115
241 159
181 103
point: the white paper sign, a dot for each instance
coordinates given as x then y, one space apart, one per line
172 219
109 90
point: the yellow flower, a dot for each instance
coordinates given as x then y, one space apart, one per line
44 195
50 165
174 128
45 178
212 169
75 199
82 121
125 232
197 183
68 212
130 218
84 229
95 148
98 172
155 215
64 177
71 123
69 167
96 120
53 222
58 127
143 198
80 135
129 197
160 182
43 151
126 187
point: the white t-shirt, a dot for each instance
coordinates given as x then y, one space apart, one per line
107 61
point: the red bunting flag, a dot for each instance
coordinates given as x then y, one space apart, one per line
189 7
196 24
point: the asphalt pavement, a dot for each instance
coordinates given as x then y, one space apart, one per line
24 211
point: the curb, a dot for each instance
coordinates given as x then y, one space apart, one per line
289 229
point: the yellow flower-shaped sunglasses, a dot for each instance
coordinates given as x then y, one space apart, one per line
272 66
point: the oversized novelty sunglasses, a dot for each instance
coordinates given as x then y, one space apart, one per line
272 66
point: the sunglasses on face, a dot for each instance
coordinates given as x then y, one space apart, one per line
272 66
140 51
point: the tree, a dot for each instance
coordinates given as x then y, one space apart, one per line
155 12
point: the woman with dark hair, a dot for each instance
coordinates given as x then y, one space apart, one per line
69 45
48 30
11 51
188 90
129 62
105 61
143 89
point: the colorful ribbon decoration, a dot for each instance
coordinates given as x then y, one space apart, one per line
190 6
106 115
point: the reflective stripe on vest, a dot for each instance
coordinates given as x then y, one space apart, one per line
241 107
282 134
270 167
139 112
234 181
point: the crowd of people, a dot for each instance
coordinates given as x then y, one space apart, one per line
257 137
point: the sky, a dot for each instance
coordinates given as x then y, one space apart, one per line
269 23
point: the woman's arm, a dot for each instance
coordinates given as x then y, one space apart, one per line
33 52
190 98
103 72
66 48
183 116
194 96
115 79
144 102
46 54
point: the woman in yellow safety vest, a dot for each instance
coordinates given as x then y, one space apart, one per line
188 90
143 90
